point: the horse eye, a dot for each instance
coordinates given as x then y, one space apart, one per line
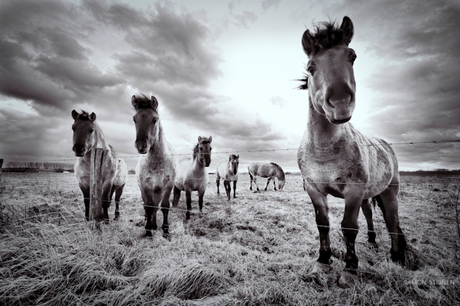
353 57
91 130
311 70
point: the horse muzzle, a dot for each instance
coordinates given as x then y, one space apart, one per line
141 147
79 150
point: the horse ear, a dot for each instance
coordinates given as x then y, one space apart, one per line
154 102
74 115
307 43
238 156
347 28
200 138
210 139
92 117
134 102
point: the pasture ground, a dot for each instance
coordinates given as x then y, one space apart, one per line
257 249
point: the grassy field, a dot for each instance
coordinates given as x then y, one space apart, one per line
257 249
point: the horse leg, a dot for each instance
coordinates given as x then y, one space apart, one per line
107 192
234 189
165 211
319 201
227 188
188 197
86 196
176 196
350 230
217 183
388 203
274 185
153 198
200 199
268 181
250 180
118 193
255 183
367 211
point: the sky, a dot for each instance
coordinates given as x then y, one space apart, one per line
225 69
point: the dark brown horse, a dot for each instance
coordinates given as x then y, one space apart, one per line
269 170
86 136
156 168
228 171
335 158
192 174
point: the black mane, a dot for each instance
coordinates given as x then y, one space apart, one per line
327 35
84 115
142 101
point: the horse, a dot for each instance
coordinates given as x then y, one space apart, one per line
228 171
88 135
270 170
156 167
192 175
337 159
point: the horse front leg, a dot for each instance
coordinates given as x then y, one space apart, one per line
200 199
250 181
268 182
188 199
234 189
165 210
86 197
350 230
319 201
227 188
367 211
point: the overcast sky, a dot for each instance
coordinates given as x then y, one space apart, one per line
224 69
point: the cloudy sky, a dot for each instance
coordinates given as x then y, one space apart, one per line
226 69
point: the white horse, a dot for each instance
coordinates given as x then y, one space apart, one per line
192 174
156 168
228 171
88 135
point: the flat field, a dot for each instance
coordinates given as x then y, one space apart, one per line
257 249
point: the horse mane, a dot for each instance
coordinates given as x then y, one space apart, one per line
233 156
280 170
142 101
326 35
84 115
195 149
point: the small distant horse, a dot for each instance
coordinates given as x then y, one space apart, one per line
335 158
88 135
192 175
270 170
156 167
228 171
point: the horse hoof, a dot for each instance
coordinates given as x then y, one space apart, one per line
320 268
148 233
347 280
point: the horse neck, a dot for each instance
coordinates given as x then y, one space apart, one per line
197 166
99 139
159 147
320 131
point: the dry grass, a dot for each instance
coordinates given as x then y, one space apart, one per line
257 249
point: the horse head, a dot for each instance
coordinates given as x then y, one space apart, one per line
330 78
233 162
281 184
147 122
202 151
83 128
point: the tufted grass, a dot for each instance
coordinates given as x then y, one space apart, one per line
257 249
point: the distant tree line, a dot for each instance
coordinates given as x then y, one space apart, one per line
431 172
39 165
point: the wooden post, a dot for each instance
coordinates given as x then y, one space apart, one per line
98 156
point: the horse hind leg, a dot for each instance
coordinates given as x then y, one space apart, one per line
165 210
176 196
217 184
388 203
268 182
227 188
367 211
251 178
118 193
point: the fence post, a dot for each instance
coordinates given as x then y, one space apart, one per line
98 156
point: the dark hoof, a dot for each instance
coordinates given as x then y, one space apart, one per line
148 233
167 236
106 221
